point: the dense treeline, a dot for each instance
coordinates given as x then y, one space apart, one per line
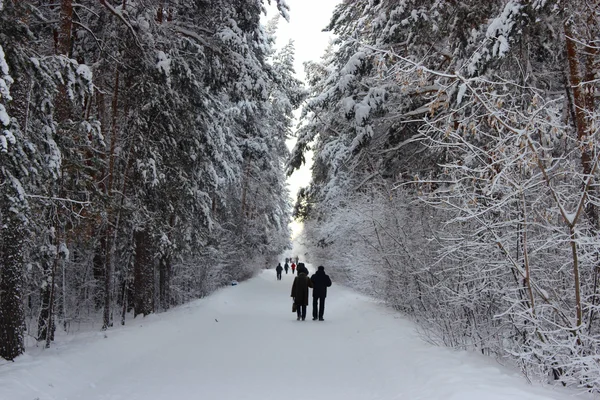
456 172
141 156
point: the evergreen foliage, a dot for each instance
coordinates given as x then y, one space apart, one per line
141 149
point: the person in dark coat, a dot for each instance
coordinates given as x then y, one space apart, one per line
321 282
286 267
302 267
279 268
300 293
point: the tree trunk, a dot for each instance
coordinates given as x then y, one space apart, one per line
108 233
578 310
582 103
12 316
106 315
63 37
164 282
45 325
143 274
50 324
63 47
582 125
98 270
245 184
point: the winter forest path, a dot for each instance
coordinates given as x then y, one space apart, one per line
243 342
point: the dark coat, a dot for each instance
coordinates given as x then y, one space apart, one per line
300 289
321 282
279 268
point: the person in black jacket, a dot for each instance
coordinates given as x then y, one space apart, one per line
300 293
279 268
321 282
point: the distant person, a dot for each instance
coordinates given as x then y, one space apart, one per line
293 268
286 267
279 268
300 293
320 282
297 259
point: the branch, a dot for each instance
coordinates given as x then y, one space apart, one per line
191 34
119 15
34 196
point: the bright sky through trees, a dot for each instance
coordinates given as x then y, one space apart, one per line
308 18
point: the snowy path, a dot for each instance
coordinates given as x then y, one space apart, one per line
244 343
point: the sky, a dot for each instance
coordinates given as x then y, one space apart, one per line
307 20
244 343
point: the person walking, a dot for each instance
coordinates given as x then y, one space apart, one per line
278 268
300 293
321 282
293 268
301 267
286 267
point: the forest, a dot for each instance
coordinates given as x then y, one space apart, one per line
455 173
142 156
143 164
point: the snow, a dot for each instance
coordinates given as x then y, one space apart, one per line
163 64
348 104
3 144
361 112
5 79
353 63
4 118
500 28
243 342
475 59
284 9
461 92
3 64
86 73
6 137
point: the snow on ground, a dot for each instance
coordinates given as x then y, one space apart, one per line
243 342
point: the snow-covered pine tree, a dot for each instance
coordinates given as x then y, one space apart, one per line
37 74
14 215
136 185
470 117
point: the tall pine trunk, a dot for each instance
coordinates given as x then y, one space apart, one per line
581 104
45 324
164 277
12 316
108 232
62 106
143 274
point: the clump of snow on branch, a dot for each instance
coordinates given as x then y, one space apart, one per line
500 28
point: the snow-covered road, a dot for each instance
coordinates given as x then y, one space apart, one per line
244 342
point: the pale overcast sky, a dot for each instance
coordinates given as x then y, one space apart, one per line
307 20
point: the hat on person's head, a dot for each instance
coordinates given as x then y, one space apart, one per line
321 268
